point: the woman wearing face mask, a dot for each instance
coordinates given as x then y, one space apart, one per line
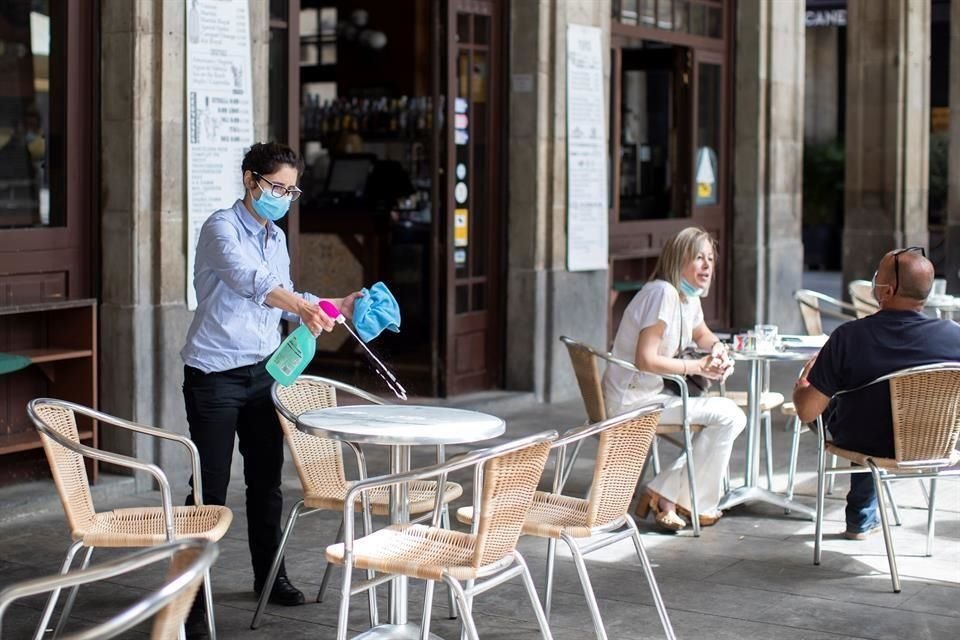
242 279
664 318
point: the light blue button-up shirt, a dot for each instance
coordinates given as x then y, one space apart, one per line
239 261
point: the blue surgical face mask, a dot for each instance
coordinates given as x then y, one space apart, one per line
689 290
270 206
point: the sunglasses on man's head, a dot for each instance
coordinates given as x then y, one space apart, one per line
896 266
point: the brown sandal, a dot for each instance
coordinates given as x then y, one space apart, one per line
705 520
668 520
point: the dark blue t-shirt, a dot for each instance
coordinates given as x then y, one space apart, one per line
863 350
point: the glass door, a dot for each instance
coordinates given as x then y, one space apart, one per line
472 338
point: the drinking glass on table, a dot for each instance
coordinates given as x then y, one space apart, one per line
766 337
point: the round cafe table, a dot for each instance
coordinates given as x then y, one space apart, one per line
751 490
400 427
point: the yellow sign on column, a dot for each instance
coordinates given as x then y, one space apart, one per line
461 228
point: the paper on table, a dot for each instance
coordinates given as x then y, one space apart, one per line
804 342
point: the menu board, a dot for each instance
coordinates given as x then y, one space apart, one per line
587 241
219 112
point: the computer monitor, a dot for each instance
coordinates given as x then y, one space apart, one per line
347 176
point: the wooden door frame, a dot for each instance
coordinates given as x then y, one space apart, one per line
75 244
644 238
494 313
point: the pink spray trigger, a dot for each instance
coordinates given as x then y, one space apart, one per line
331 310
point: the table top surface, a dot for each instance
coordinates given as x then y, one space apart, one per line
401 424
786 354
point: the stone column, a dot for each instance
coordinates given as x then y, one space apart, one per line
768 160
544 300
143 311
887 130
952 232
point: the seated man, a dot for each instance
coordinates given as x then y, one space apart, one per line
898 336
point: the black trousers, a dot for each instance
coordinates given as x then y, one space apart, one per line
222 406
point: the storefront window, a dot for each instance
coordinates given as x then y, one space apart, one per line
29 62
697 17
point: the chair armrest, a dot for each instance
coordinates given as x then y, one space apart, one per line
579 433
347 388
166 499
462 461
201 555
139 428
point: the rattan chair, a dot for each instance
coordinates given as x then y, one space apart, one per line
189 560
319 464
925 403
815 305
584 359
602 517
55 420
861 295
505 479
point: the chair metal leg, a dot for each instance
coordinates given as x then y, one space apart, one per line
893 504
329 568
768 438
55 594
275 565
548 587
344 614
587 588
692 480
534 601
884 521
367 519
794 452
570 462
208 597
427 611
833 463
451 599
931 511
468 629
923 490
821 488
72 597
651 581
655 454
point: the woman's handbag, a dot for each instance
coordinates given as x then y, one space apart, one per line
697 385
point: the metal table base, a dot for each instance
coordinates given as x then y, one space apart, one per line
751 490
408 631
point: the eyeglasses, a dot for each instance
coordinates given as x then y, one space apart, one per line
278 190
896 266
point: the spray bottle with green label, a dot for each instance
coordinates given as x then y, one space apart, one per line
293 356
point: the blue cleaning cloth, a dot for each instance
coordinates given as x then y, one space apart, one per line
375 311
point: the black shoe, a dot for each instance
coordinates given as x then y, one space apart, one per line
283 593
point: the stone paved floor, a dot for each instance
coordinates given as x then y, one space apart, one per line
750 576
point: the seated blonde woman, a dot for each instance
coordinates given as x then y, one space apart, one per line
664 318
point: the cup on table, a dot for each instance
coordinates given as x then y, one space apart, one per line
766 337
939 287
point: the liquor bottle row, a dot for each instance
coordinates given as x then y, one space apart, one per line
392 117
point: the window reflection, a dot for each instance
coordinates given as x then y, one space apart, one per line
24 113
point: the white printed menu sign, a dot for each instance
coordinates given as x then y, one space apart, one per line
587 241
219 114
